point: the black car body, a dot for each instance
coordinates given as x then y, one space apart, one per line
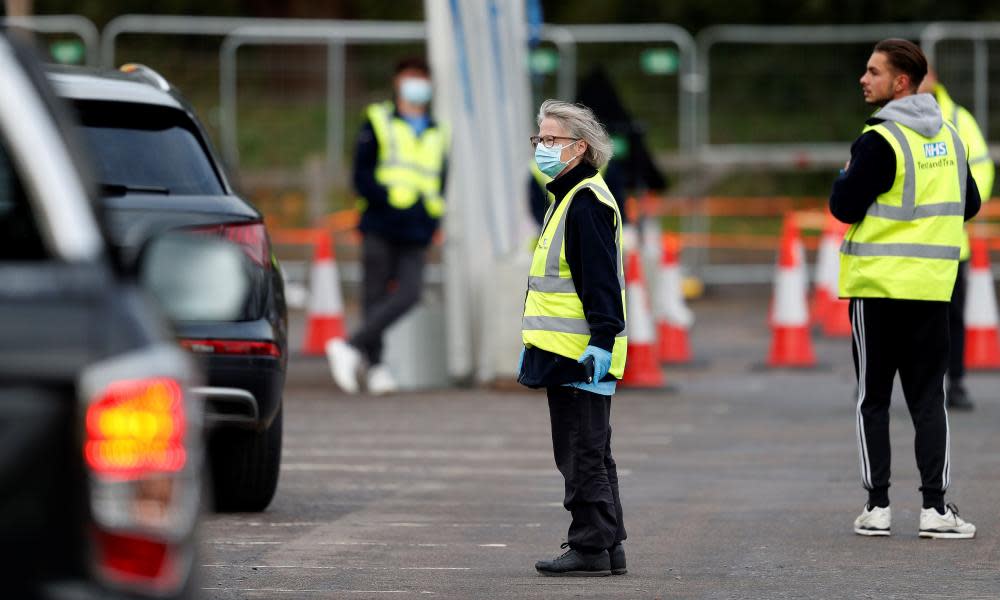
90 507
157 170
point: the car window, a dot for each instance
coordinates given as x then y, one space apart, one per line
20 238
139 148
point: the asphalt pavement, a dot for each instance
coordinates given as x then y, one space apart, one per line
736 482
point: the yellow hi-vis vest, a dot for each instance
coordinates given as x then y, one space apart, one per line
980 163
553 317
409 166
908 244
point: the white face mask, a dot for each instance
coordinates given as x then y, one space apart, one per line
415 90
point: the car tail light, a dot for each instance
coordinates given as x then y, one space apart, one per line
140 445
135 428
238 347
131 559
250 237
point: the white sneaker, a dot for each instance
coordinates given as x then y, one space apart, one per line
947 526
345 362
874 521
380 380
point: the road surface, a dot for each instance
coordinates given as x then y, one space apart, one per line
736 483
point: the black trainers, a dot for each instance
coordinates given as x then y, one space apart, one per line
617 555
958 398
573 563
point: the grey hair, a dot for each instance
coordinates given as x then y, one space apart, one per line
581 123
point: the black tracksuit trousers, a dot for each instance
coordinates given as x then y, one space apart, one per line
909 337
581 441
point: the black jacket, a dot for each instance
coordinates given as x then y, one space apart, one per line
410 226
871 173
593 259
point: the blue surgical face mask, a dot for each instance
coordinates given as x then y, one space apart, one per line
415 90
548 159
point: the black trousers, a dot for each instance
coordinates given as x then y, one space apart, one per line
385 262
956 319
909 337
581 442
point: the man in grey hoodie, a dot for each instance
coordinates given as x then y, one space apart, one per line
906 191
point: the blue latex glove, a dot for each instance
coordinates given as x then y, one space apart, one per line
602 361
520 361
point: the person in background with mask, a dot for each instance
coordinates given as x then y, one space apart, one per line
982 169
573 329
400 164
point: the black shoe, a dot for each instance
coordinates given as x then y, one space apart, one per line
573 563
958 398
617 554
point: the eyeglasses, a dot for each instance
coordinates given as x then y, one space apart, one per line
549 140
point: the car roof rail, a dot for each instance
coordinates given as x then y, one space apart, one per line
148 74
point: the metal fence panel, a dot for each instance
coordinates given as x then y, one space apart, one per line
77 25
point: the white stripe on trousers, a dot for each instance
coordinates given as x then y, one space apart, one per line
946 474
858 330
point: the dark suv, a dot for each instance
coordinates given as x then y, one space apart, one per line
156 168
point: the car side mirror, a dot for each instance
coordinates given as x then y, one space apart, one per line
195 277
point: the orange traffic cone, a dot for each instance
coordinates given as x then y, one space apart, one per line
642 369
982 350
325 309
673 317
829 311
791 345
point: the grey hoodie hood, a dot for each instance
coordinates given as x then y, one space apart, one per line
919 112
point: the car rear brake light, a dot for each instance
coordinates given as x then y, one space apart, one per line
141 445
250 237
135 560
136 428
232 347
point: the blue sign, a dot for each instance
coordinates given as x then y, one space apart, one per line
935 150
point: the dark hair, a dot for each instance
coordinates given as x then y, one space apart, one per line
414 63
905 57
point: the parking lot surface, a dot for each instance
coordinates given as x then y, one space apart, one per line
736 483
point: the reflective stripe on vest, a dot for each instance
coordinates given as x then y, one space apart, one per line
409 166
560 325
553 318
914 250
909 242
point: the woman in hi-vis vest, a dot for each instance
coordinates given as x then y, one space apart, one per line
573 331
